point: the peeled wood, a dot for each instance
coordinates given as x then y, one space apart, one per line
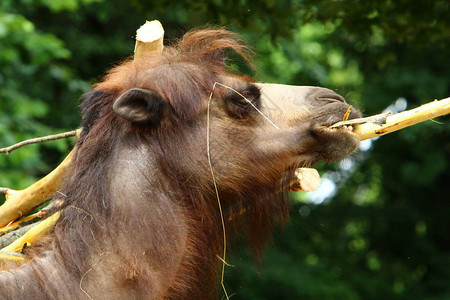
19 203
149 38
401 120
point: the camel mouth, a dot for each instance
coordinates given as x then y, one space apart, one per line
333 144
342 129
333 113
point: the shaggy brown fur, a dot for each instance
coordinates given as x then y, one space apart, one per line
141 218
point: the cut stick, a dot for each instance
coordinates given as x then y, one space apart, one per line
19 203
368 129
306 179
149 38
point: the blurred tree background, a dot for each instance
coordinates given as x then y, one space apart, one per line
379 227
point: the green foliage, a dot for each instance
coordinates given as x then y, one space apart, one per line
25 54
384 235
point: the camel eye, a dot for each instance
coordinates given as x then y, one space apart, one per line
244 96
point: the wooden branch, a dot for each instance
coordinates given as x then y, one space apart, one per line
367 129
11 256
149 38
33 234
23 222
47 138
10 237
375 119
19 203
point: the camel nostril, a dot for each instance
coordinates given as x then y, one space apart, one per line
322 94
332 98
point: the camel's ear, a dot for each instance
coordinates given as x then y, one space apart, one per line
140 106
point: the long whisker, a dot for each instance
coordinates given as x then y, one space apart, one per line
223 259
